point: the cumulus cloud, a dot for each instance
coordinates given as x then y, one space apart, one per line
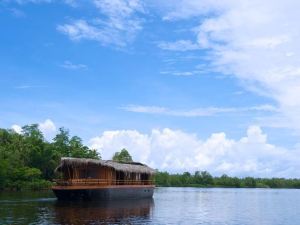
17 128
112 141
257 41
119 27
47 127
177 151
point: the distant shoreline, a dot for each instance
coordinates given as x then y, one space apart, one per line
192 186
208 187
28 162
48 187
206 180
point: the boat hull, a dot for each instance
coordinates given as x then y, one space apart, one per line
103 193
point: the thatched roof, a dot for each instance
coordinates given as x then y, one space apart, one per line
131 167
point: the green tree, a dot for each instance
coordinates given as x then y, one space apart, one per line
122 156
207 178
61 142
78 150
27 160
66 146
249 182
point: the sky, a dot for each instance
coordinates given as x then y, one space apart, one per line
184 85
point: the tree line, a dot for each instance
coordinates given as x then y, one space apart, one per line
205 179
28 161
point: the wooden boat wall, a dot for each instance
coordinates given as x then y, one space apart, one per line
92 179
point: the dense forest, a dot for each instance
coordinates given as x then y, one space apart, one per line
27 161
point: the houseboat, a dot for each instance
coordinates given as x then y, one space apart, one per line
90 179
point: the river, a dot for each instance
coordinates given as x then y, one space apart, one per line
214 206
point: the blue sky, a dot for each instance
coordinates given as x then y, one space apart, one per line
154 76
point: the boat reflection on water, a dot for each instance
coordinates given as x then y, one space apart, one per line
122 211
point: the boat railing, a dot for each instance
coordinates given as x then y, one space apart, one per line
101 182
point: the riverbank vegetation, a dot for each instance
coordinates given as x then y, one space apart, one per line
28 161
204 179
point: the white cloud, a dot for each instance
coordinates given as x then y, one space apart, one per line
17 128
145 109
29 86
180 45
71 66
29 1
80 29
257 41
177 151
184 73
119 8
197 112
119 27
116 140
73 3
184 9
48 128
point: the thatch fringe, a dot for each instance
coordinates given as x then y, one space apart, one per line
132 167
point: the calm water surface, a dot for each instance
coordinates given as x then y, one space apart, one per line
169 206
